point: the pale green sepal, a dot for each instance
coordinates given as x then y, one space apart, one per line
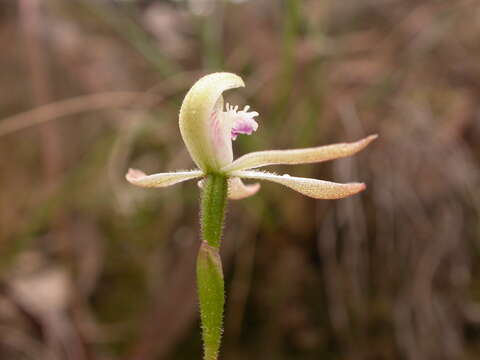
139 178
208 143
211 295
298 156
317 189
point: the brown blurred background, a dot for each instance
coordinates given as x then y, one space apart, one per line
95 269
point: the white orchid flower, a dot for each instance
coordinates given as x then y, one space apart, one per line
208 129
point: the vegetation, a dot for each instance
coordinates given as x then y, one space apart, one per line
94 268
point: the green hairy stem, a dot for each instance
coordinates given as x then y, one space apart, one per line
212 299
213 204
210 282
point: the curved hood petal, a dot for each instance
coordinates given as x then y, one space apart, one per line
204 130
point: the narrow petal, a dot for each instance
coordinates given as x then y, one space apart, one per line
317 189
298 156
238 190
137 177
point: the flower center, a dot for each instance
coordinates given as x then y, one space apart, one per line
242 121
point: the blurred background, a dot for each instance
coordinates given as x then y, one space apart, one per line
93 268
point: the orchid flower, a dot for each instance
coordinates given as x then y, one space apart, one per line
208 129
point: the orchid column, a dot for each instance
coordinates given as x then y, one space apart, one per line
208 130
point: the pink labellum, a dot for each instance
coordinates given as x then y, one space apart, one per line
242 121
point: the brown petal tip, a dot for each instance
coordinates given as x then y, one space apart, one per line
370 138
350 190
134 174
357 188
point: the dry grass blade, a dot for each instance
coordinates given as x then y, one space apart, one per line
72 106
